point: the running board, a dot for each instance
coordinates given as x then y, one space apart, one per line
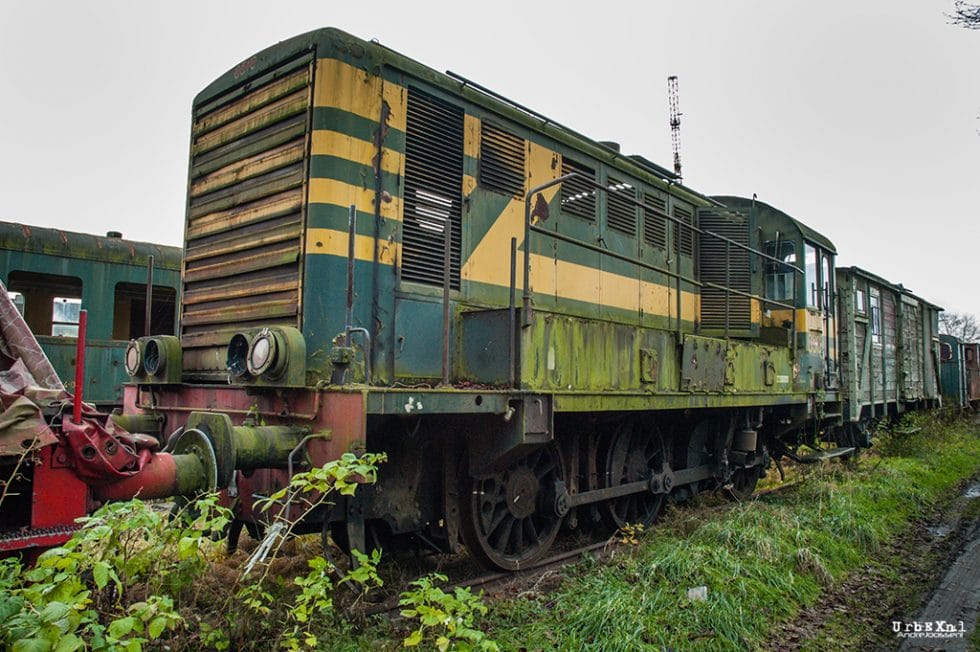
820 456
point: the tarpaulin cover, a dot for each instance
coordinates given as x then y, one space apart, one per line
27 381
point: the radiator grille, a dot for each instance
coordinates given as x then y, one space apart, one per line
433 189
712 259
655 221
242 261
577 194
502 161
620 212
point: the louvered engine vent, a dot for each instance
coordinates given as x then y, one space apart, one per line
713 264
244 229
433 189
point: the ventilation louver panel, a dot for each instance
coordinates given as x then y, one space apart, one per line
577 194
433 189
244 231
655 221
502 161
620 211
683 237
715 268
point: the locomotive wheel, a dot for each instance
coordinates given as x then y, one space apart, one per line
630 456
509 519
694 450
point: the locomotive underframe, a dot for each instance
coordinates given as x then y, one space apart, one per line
600 463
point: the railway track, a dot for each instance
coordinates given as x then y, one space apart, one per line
603 549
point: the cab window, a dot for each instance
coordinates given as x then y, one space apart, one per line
812 282
827 296
780 275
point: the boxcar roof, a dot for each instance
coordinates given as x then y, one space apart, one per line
372 56
898 287
85 246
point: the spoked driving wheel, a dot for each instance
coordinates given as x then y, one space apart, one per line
633 455
509 519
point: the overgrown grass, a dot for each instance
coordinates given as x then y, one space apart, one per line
762 561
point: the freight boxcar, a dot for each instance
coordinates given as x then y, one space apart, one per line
971 369
889 343
52 274
953 370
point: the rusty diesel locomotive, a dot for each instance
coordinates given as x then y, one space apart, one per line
537 328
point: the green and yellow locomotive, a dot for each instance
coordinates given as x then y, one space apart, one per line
535 327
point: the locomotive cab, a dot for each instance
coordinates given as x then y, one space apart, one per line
798 309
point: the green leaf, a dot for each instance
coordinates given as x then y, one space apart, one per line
122 627
54 611
442 643
69 643
101 573
10 607
413 639
31 645
186 548
156 627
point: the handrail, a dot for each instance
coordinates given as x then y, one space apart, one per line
529 228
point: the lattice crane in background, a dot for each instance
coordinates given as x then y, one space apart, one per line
675 123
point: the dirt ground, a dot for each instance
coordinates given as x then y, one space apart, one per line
927 579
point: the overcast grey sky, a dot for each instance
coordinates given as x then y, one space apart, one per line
858 118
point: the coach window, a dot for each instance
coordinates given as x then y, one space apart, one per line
65 312
859 305
129 314
51 303
945 352
18 300
875 316
780 275
812 282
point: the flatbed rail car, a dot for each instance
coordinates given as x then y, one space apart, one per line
535 327
52 274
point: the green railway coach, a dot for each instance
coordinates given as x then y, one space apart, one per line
52 274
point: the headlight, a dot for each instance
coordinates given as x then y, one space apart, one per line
273 356
153 358
264 355
237 360
162 358
134 358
